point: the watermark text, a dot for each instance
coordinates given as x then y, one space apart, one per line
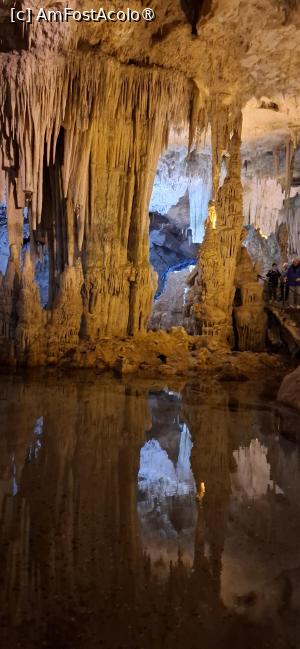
67 14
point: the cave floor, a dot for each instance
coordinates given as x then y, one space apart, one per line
140 514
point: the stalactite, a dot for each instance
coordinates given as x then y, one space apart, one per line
72 94
292 223
282 236
289 164
293 227
80 142
223 118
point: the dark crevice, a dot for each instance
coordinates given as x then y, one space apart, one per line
162 358
269 105
194 10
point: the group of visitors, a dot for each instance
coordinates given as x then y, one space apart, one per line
287 280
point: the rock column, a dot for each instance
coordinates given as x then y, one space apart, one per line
217 261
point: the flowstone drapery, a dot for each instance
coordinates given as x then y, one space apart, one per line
80 141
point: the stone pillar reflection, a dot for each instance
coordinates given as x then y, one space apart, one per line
211 459
70 535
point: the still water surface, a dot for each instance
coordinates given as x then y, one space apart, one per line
135 516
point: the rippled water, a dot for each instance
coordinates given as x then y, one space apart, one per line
137 516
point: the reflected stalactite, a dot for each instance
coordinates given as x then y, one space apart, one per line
72 528
80 564
252 479
212 463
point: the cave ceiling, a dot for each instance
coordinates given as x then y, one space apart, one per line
241 50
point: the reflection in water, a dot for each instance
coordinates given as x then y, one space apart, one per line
253 474
136 520
36 444
14 486
166 503
158 475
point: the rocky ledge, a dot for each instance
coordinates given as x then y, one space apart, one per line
174 353
289 392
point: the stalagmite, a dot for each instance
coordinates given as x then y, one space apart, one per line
31 319
102 128
15 206
249 316
86 109
217 262
9 291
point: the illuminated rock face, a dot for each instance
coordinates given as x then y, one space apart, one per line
249 317
169 309
217 261
90 202
263 179
86 112
182 175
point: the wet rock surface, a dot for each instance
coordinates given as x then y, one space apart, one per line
289 392
167 354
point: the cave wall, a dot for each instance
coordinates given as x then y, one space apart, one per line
291 213
183 176
85 113
80 147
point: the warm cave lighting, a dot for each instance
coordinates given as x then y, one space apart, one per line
258 228
212 214
150 325
201 491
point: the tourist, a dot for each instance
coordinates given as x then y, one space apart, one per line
293 276
284 286
273 276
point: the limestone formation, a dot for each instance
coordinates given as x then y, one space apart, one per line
169 309
289 392
249 316
211 468
9 291
86 109
292 211
283 242
263 174
76 564
222 237
264 251
31 319
110 142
